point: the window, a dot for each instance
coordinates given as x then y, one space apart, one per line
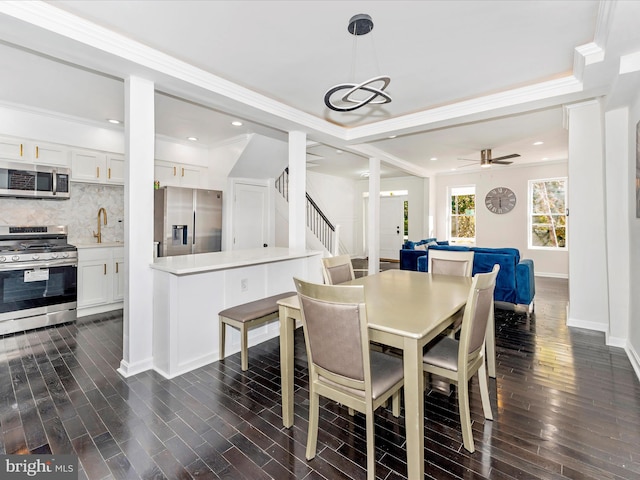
462 215
547 213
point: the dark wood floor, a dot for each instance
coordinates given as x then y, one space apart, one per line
566 406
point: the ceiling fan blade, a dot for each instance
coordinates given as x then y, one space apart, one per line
504 157
500 162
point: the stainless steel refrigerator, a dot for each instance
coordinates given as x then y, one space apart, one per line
187 220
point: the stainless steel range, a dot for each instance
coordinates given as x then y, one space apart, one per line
38 277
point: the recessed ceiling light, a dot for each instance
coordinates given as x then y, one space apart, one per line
364 174
193 139
236 123
433 159
538 143
393 136
545 158
113 120
339 152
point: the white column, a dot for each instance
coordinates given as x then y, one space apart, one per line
297 189
373 222
138 226
618 172
588 285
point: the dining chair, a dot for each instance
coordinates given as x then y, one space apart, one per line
458 263
342 367
459 360
337 269
450 262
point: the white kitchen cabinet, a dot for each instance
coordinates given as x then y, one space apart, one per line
48 154
33 151
180 174
118 274
101 275
115 168
97 167
13 148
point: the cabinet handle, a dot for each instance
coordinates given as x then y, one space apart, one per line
117 263
174 171
104 265
183 171
97 172
37 151
21 149
109 173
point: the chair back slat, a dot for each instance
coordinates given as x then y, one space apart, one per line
338 269
449 267
484 300
334 336
476 315
451 262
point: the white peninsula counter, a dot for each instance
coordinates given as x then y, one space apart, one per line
190 290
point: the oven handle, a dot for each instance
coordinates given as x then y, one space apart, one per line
35 265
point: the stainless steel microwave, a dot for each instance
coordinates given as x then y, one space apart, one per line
25 180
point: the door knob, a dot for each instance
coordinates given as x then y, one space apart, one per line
265 245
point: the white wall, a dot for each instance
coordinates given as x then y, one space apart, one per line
418 198
507 230
633 347
336 198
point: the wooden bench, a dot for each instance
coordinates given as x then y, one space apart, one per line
248 315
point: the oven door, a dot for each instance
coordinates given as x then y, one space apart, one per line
37 288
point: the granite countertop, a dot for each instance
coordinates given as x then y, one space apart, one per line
207 262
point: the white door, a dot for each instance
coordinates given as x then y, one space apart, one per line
391 226
250 216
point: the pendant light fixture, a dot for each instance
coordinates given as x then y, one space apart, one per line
374 88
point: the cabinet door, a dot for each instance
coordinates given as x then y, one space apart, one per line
88 166
118 278
166 173
48 154
13 148
93 283
190 176
115 169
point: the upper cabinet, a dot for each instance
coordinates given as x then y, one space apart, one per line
180 174
33 152
97 167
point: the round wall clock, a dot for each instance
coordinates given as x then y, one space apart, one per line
500 200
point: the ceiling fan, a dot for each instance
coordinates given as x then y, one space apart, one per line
486 160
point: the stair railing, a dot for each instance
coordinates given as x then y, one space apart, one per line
317 221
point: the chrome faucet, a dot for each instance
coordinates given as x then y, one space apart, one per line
99 234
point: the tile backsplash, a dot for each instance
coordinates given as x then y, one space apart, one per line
79 213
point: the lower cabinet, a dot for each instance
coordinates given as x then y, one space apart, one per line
101 274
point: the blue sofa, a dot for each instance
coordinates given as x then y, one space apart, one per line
515 285
409 255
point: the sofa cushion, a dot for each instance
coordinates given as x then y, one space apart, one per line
507 251
484 261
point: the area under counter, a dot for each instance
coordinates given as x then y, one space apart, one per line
190 290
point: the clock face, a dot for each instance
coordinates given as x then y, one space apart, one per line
500 200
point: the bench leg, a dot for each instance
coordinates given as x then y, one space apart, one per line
222 332
244 351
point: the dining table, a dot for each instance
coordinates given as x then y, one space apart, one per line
405 310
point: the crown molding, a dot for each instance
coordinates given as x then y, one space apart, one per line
162 67
517 96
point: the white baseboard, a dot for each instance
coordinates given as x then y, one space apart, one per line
128 370
634 358
616 342
575 322
551 275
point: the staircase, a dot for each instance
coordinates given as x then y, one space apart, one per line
317 221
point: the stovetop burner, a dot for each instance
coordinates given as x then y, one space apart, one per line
19 244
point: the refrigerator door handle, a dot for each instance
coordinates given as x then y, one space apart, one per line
194 229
